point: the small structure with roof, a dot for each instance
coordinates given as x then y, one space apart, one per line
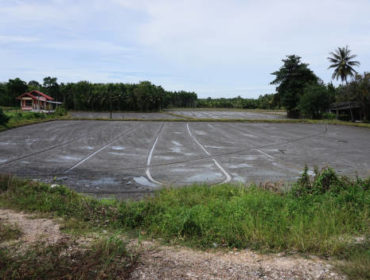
36 101
348 110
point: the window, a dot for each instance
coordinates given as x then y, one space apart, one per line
28 103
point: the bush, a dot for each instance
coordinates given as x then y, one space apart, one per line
3 118
60 111
314 101
329 116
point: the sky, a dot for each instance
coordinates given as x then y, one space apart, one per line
216 48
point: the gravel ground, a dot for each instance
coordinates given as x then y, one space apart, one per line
131 159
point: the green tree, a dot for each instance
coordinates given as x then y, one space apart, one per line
15 88
291 79
314 101
34 85
342 62
358 90
51 87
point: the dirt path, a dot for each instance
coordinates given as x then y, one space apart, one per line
166 262
32 229
169 262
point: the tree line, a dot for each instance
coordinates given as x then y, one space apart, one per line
302 93
143 96
84 95
266 101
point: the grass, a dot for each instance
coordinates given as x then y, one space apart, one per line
321 216
18 118
106 258
356 262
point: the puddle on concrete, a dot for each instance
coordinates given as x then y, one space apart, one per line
309 172
242 165
116 153
105 181
176 143
69 157
175 149
200 132
8 143
203 177
213 147
88 147
3 160
250 157
101 182
144 181
238 178
118 148
164 158
250 135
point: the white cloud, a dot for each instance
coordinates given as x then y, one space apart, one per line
6 39
210 46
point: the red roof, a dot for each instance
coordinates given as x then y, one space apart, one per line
34 95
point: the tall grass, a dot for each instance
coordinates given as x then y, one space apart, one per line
324 215
318 216
250 217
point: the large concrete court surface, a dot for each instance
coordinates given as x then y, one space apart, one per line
129 159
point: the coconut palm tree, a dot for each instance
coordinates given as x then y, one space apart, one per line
343 63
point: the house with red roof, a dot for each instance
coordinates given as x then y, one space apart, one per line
37 101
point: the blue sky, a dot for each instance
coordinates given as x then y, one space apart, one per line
215 48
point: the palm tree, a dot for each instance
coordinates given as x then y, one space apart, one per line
343 63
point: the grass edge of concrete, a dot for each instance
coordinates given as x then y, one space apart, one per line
62 202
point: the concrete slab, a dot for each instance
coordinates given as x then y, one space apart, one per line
229 114
131 159
122 115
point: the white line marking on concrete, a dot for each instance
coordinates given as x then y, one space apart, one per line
227 175
265 154
88 157
98 151
147 172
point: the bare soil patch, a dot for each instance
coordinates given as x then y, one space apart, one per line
33 229
165 262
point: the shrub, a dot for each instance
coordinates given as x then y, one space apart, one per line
60 111
314 101
329 116
3 118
